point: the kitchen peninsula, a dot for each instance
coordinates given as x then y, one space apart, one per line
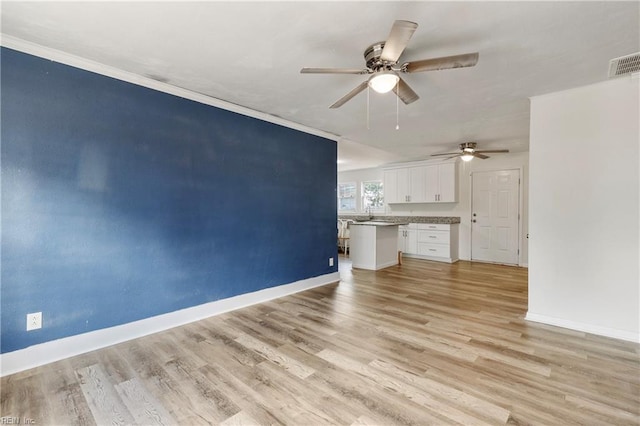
421 237
374 244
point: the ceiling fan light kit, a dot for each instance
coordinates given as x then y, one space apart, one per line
384 81
382 59
466 156
468 152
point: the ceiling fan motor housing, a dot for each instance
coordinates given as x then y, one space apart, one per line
468 146
372 57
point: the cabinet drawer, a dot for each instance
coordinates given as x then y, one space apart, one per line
433 237
434 226
434 250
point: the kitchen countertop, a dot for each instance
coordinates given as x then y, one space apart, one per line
403 220
379 223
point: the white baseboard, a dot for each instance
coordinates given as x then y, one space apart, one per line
587 328
433 258
55 350
374 267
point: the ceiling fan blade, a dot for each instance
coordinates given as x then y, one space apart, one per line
447 153
481 156
405 93
349 95
443 63
332 71
493 150
398 39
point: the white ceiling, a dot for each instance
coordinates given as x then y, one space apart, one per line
250 54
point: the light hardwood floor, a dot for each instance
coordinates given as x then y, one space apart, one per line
422 343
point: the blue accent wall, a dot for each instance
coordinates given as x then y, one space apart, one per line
120 202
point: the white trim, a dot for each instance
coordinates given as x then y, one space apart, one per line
432 258
106 70
55 350
372 266
587 328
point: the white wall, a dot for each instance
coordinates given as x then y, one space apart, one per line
584 215
462 208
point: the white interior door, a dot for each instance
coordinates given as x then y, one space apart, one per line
495 216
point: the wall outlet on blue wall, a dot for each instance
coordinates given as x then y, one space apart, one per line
34 321
331 261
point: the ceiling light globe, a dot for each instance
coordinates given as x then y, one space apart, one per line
466 157
384 81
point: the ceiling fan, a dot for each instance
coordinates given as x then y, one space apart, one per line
468 151
381 60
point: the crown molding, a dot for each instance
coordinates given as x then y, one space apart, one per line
129 77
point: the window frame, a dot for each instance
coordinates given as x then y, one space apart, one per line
377 209
355 197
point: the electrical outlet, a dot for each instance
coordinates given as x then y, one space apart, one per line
34 321
331 261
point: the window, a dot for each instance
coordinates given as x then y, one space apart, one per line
347 197
372 196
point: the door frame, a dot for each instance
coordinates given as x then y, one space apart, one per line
520 209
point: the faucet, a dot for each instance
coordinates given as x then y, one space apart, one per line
369 210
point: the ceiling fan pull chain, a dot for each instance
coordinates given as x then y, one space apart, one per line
397 113
367 107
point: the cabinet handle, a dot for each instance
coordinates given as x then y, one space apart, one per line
432 249
432 236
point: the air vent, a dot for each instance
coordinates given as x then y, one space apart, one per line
624 65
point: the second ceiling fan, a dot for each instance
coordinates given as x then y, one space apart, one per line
381 64
468 152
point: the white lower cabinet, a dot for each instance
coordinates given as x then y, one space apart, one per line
408 238
429 241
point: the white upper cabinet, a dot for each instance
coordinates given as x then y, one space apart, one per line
421 182
441 183
404 185
390 185
416 188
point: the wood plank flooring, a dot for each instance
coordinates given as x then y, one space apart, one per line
421 343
